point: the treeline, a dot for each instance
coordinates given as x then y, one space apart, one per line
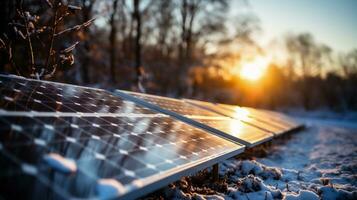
179 48
311 76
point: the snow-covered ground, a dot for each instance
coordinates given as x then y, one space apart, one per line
319 162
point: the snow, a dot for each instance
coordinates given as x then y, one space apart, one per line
303 195
319 162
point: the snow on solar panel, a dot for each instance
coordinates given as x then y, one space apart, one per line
66 154
237 130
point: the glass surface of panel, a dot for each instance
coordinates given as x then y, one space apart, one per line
137 148
270 117
243 115
237 130
250 134
276 117
174 105
125 149
18 94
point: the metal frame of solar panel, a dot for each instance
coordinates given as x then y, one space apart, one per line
233 129
118 146
277 128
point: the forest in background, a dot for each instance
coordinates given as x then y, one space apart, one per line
177 48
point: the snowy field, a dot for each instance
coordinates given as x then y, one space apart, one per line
319 162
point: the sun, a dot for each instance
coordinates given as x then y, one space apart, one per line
255 69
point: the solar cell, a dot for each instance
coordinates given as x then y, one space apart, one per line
237 130
71 152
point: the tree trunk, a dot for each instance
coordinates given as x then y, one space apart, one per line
137 65
183 32
7 11
84 68
112 42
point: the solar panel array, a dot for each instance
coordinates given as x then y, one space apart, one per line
234 129
62 141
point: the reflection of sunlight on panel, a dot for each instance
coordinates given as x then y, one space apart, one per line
250 134
242 114
236 127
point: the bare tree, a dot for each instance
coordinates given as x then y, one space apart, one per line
39 40
209 14
137 65
137 14
112 41
348 63
165 21
85 50
308 57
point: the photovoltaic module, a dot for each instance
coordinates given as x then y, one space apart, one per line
234 129
61 141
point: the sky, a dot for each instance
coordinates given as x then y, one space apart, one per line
333 22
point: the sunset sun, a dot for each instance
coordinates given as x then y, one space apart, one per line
254 69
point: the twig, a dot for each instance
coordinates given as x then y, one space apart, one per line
25 27
75 28
70 48
52 38
61 18
28 37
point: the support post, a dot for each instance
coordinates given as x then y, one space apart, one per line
215 172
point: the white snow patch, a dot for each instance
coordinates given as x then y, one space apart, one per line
303 195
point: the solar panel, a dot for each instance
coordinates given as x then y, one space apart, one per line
174 105
279 117
273 117
236 130
239 129
243 115
61 152
18 94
